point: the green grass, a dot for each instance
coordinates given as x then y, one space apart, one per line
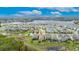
69 45
9 44
13 43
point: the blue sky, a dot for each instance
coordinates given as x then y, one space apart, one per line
41 11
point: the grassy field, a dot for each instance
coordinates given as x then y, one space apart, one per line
69 45
24 42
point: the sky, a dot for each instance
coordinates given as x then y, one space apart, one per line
39 11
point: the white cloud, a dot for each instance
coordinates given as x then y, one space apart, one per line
66 9
56 13
75 10
25 12
16 15
33 12
62 9
36 12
